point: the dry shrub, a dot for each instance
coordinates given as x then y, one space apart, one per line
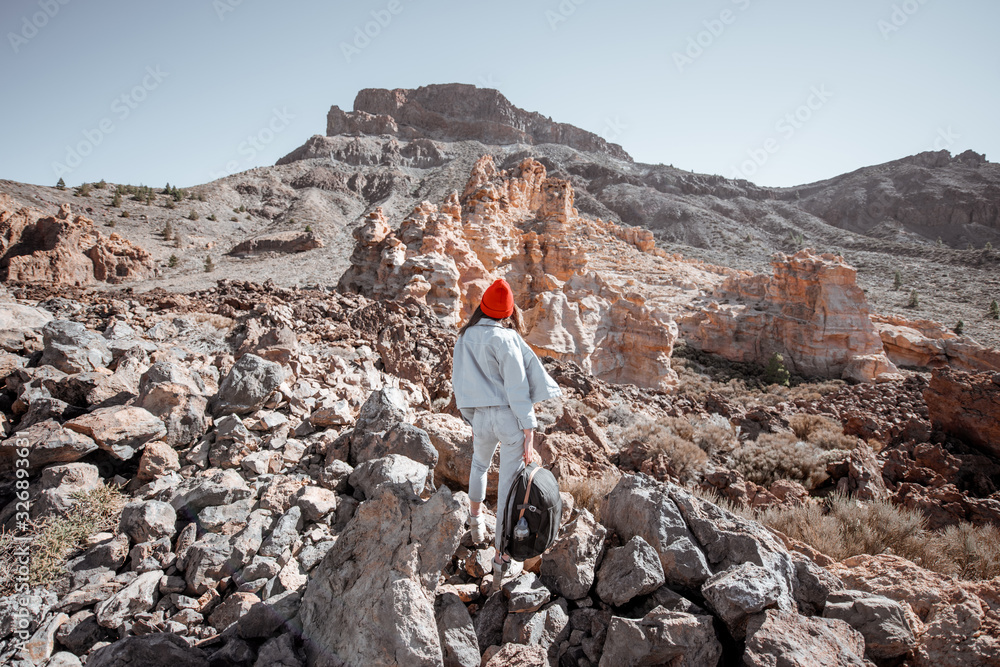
671 436
972 551
591 493
55 538
774 456
845 527
715 434
821 431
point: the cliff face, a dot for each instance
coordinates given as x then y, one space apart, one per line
458 112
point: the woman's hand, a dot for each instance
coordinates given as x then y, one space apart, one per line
529 446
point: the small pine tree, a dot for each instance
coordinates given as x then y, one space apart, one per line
61 185
173 261
193 215
988 247
775 372
897 280
959 328
309 229
168 231
241 209
167 189
995 310
116 201
149 198
914 300
100 185
209 264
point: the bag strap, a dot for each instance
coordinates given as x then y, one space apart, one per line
527 492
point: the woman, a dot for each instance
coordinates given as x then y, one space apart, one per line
497 379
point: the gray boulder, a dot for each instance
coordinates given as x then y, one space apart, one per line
247 386
220 487
568 566
629 571
161 649
739 592
526 593
139 596
178 398
47 442
662 637
459 645
120 431
371 599
638 505
72 348
546 627
881 621
146 521
59 484
392 469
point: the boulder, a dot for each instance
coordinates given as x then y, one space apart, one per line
661 637
139 596
248 385
629 571
46 442
802 641
459 645
232 609
162 649
740 592
525 593
545 627
213 487
120 431
72 348
146 521
394 469
177 397
516 655
638 505
58 485
568 566
371 599
881 621
452 438
158 458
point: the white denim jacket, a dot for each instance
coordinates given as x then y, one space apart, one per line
494 366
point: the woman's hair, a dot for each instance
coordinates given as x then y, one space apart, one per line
515 321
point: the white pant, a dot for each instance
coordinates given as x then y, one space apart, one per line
492 426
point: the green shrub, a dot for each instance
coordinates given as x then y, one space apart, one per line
897 280
116 201
167 232
212 218
209 264
959 328
125 214
193 215
83 190
173 261
61 185
914 300
100 185
994 310
170 204
775 372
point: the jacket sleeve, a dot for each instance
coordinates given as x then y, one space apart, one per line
515 382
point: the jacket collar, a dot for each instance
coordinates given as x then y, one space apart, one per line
488 322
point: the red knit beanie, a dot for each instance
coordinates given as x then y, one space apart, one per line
498 300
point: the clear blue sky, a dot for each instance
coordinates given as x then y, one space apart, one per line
782 92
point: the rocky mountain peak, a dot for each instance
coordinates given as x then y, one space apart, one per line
459 112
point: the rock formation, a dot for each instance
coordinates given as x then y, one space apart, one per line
927 344
64 249
966 405
457 112
521 226
284 242
810 311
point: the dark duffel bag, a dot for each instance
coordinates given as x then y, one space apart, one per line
533 498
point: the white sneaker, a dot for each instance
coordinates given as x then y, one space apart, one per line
509 569
477 525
